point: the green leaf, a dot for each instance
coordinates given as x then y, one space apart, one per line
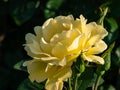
94 80
113 30
22 11
116 56
49 13
53 4
85 79
28 85
107 87
19 66
107 58
110 87
51 7
113 24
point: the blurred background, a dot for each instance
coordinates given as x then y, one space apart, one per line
18 17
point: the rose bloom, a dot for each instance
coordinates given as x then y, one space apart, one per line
56 45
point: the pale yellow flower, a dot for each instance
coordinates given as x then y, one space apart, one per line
91 42
57 44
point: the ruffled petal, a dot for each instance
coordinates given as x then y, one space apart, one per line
83 25
54 61
51 28
97 30
59 50
75 44
58 37
30 38
32 46
99 47
56 81
46 47
96 33
92 41
38 32
93 58
37 70
56 25
69 17
65 37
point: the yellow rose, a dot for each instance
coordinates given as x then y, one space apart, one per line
57 43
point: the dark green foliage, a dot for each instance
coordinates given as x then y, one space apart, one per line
28 85
86 78
22 10
107 57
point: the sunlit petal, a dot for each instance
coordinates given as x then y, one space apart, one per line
99 47
93 58
46 47
37 70
56 82
59 50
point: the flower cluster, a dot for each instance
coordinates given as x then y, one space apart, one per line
56 45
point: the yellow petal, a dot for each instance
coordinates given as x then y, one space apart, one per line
37 70
54 61
36 55
59 50
54 85
97 30
71 35
75 44
82 42
69 17
72 57
96 33
29 38
99 47
56 81
83 25
77 25
64 19
80 24
55 74
32 46
93 58
46 47
66 37
52 28
92 41
58 37
38 32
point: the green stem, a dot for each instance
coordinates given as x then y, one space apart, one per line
97 82
75 81
70 87
104 12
